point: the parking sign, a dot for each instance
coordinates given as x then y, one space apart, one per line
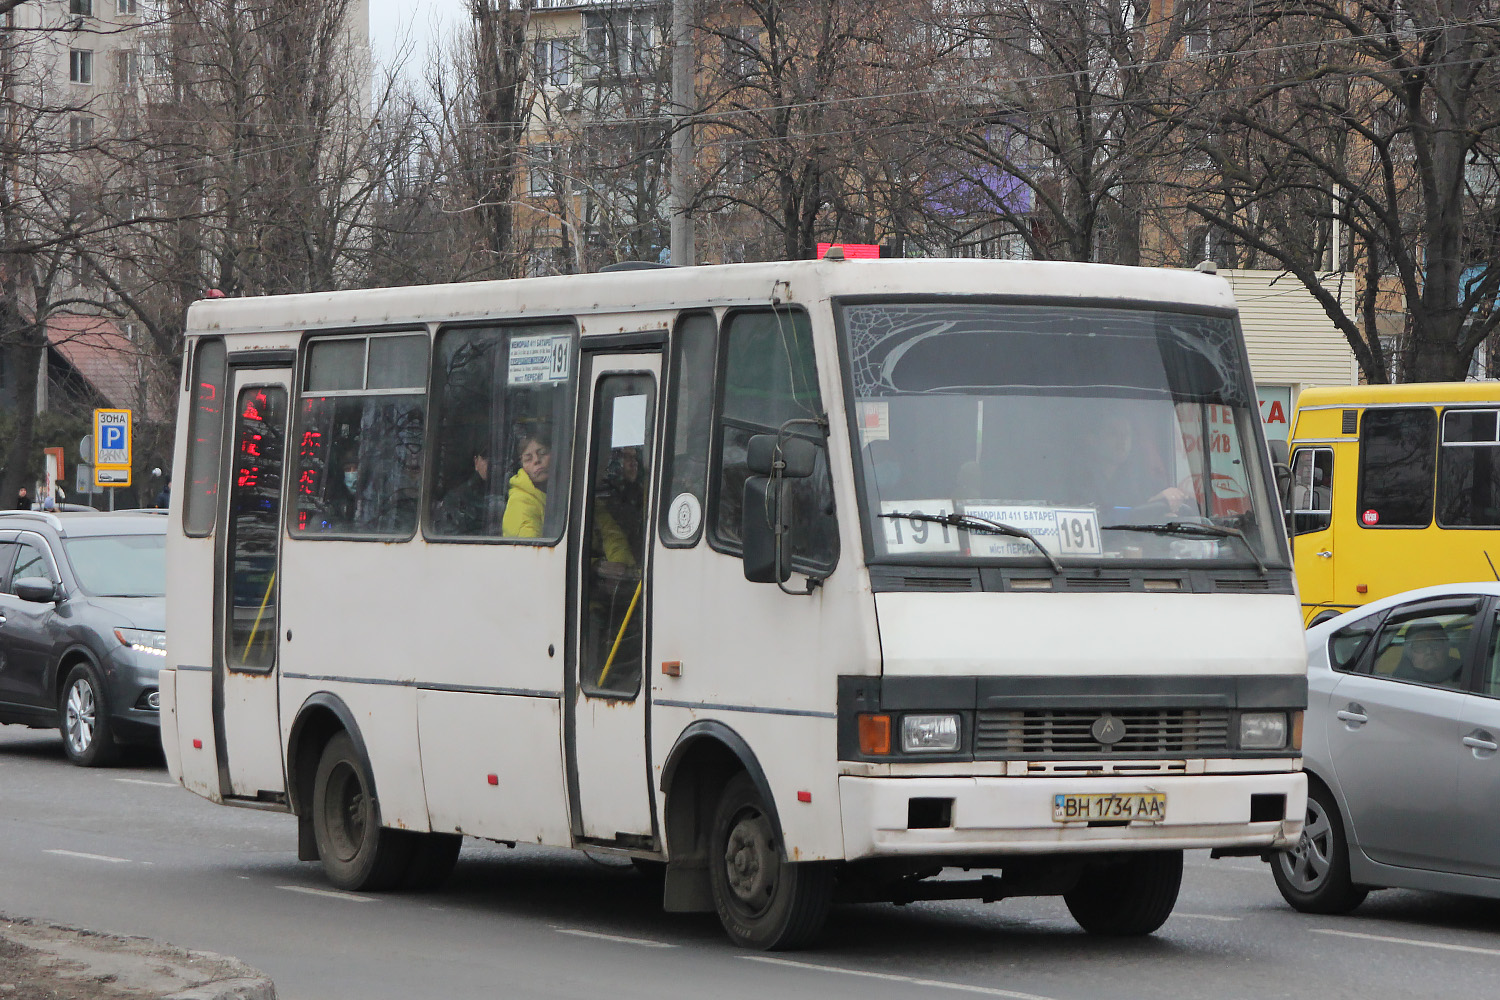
112 447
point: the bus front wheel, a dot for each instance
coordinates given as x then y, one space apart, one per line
358 854
1127 898
763 900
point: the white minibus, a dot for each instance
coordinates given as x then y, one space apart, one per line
797 583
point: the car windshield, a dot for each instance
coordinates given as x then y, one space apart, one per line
1105 433
120 565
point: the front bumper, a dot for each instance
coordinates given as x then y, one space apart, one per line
1000 816
131 678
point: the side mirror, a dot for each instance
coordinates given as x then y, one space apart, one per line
794 460
1281 467
759 535
36 589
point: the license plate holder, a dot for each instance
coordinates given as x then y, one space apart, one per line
1110 807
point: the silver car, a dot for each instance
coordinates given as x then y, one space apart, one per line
1402 750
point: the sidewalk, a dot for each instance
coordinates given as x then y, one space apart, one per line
41 961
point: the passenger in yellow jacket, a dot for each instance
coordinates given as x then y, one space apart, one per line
526 506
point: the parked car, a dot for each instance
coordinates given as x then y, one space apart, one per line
1401 744
82 627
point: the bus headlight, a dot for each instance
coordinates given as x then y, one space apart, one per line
929 733
1263 730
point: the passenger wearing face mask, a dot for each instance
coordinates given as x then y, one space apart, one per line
343 499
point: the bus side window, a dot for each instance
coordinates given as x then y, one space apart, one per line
1312 490
205 438
499 392
1397 452
689 427
769 376
361 425
1468 491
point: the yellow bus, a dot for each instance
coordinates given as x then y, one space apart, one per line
1393 487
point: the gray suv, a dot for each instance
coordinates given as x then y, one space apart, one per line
82 627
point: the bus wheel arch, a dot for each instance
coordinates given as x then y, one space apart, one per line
705 758
725 846
321 717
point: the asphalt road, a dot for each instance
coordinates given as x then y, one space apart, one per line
126 851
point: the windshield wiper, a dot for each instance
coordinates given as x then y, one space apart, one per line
1192 529
983 525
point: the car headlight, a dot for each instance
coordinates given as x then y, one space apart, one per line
142 641
1263 730
929 733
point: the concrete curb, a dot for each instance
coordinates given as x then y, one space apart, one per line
63 960
229 989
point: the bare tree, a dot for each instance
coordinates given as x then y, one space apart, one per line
1368 129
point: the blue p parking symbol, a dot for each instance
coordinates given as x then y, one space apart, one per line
112 437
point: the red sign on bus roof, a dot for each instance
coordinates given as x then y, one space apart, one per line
853 251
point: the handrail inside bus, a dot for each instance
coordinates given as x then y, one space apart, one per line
610 660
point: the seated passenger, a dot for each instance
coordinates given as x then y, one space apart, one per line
526 506
1425 657
469 508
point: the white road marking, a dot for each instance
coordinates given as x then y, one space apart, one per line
1383 939
88 857
1206 916
643 942
348 897
989 991
143 781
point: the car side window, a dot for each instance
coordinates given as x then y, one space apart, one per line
1489 670
7 559
1345 645
31 561
1425 647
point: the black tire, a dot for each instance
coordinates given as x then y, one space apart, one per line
358 854
83 719
432 860
763 900
1314 876
1128 898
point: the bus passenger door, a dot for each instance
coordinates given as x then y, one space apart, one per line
247 725
609 615
1312 527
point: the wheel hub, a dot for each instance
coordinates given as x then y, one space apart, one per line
1306 866
750 860
80 716
346 812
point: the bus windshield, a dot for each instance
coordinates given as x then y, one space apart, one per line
1104 433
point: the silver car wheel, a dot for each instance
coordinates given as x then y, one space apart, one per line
80 715
1306 866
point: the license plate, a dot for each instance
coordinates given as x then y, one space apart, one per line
1140 807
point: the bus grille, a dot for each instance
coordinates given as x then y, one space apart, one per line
1147 730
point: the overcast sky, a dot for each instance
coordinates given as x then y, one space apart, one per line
422 22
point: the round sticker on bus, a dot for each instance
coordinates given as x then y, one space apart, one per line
684 516
1370 517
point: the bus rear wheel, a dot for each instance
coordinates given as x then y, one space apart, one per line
763 900
1127 898
358 854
